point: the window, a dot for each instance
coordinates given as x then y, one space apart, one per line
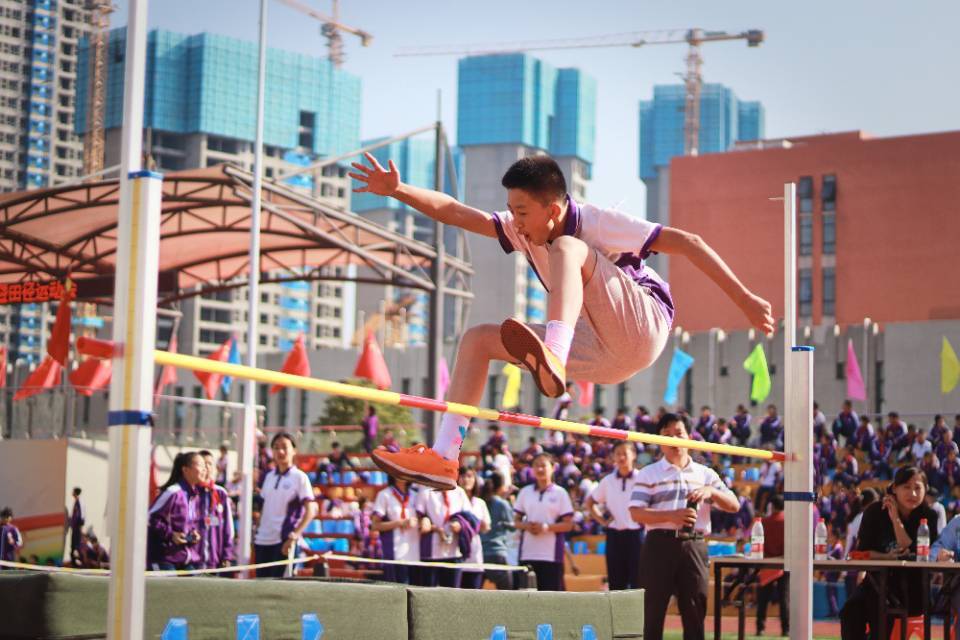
805 293
805 194
806 235
828 193
216 315
829 291
829 234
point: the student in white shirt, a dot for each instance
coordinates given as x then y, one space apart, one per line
543 513
439 533
288 506
395 517
624 536
473 578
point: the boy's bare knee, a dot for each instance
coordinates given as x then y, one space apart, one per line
480 335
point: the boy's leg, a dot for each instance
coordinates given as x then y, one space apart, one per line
437 467
572 263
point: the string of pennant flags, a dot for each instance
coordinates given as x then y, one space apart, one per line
92 374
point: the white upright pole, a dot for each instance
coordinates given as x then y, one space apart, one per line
247 437
798 411
134 332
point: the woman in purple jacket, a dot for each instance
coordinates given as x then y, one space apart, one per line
174 531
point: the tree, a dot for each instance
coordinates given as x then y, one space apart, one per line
339 410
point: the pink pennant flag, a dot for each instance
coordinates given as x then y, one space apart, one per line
586 394
856 390
444 374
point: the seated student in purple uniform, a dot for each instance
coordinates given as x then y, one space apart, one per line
91 555
895 432
706 423
174 530
217 510
608 314
622 421
741 426
864 436
642 422
11 541
846 423
938 429
771 429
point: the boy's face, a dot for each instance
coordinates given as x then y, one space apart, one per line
535 220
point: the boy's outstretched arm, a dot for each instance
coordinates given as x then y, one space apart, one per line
433 204
695 249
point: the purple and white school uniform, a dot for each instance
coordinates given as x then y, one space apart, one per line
439 507
285 497
627 307
176 510
550 506
393 505
218 531
10 542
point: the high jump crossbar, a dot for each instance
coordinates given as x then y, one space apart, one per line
101 348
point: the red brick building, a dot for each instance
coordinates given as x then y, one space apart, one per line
879 228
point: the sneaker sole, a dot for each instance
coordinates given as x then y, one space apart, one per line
524 345
441 483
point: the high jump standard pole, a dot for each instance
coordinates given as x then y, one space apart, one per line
134 329
798 467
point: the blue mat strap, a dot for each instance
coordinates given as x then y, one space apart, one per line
119 418
799 496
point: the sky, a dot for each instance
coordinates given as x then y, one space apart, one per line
886 67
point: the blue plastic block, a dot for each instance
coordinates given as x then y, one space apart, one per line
248 626
544 632
499 633
588 632
176 629
311 627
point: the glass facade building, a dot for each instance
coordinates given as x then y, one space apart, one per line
207 83
517 99
724 120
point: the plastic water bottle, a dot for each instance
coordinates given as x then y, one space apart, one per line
756 540
923 542
820 541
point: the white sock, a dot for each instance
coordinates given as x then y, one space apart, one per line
558 339
453 429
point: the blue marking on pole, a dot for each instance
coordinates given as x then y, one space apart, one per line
145 174
544 632
248 626
310 627
499 633
799 496
588 632
176 629
119 418
802 348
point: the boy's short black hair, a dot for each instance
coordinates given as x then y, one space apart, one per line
6 512
540 176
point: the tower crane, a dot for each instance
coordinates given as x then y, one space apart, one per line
331 29
100 11
693 79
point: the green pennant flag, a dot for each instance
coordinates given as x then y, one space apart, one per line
756 364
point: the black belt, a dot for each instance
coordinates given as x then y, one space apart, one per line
676 534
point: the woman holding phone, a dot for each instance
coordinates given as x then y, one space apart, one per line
888 531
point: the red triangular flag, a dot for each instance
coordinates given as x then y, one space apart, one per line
43 377
168 375
371 364
59 344
211 381
586 394
153 487
296 364
92 374
3 367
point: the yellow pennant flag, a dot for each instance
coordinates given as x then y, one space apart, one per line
511 394
949 367
756 364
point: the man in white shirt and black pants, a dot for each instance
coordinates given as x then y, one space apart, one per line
624 536
673 561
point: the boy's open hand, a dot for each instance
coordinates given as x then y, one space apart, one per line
382 182
759 313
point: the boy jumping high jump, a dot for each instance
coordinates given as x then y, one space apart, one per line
608 314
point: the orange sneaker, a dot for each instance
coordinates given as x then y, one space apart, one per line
523 344
419 464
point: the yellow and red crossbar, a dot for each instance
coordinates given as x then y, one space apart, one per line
101 349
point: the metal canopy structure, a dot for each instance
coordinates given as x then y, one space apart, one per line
205 232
